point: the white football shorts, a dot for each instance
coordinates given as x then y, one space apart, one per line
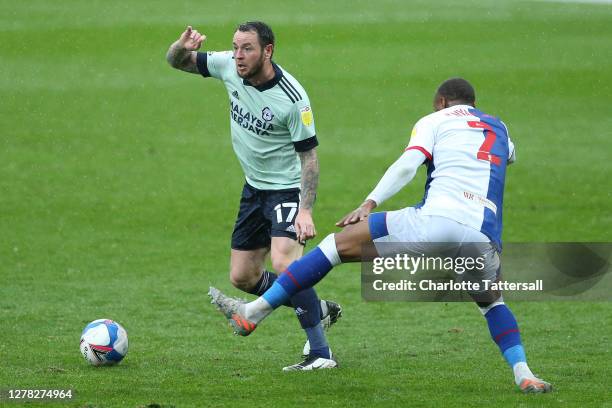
407 231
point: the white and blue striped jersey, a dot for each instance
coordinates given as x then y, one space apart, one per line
467 154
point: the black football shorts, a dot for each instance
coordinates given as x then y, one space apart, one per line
265 214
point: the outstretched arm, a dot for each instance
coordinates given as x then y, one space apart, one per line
182 53
304 224
396 177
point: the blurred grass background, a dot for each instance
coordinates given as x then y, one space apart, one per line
119 190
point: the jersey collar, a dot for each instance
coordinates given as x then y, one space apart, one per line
278 74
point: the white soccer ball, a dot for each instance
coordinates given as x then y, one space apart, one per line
104 342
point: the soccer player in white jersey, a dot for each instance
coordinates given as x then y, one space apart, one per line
273 136
466 152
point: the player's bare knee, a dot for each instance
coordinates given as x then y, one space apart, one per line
239 283
243 281
346 247
354 242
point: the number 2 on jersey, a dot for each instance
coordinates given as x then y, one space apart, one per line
484 151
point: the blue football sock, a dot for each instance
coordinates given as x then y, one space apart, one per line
505 332
318 342
265 282
307 307
305 272
308 310
301 274
276 296
515 354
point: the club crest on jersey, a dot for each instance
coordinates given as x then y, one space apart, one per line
267 114
306 115
248 120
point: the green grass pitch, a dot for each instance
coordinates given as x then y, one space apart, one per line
119 188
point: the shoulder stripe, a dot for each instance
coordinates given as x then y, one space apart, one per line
291 88
280 84
420 149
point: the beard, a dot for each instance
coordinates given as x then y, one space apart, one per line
255 70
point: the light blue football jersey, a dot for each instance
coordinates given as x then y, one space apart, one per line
270 123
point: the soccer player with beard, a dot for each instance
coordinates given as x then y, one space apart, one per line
273 136
466 152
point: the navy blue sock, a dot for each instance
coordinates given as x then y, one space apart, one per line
505 332
318 342
264 283
308 310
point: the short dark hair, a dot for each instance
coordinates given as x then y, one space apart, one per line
264 32
457 89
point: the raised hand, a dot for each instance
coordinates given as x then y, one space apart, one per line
191 39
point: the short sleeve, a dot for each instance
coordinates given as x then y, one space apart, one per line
422 138
511 151
214 64
301 125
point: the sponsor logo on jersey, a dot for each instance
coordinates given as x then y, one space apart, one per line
484 201
249 121
267 114
290 228
306 114
235 94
